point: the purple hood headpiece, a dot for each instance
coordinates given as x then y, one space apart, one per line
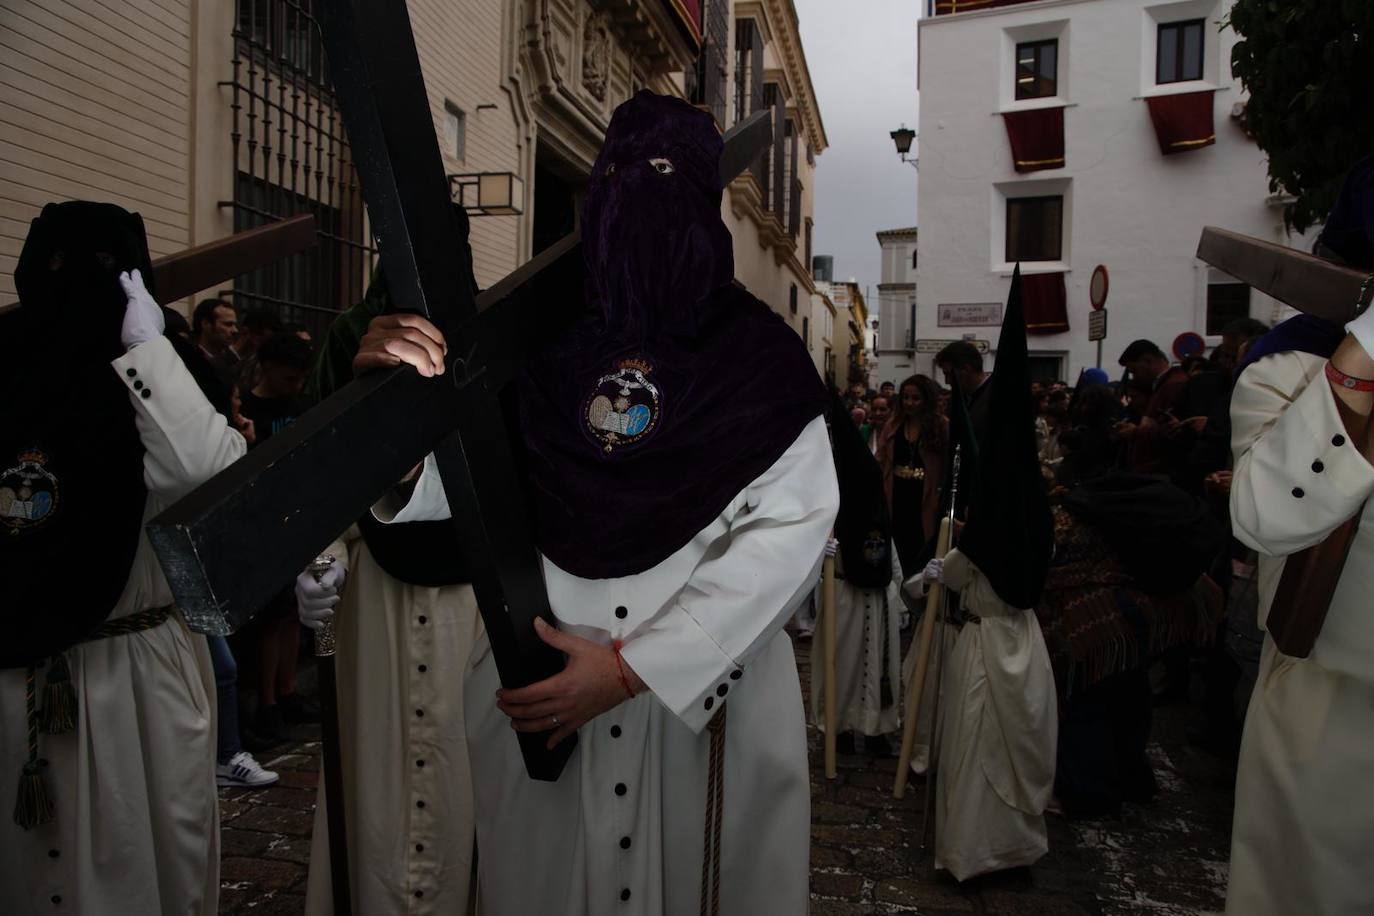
678 388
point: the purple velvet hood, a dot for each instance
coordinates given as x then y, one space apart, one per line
678 388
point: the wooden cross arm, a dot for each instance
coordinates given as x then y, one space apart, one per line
1304 281
176 276
186 272
244 535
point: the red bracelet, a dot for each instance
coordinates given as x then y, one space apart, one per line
1349 382
620 666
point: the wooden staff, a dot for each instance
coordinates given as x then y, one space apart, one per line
828 660
915 688
332 755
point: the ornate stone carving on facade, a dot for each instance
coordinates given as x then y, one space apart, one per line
596 55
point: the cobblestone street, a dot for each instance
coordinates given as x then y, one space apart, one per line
1166 859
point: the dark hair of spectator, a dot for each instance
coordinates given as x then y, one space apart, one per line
285 350
261 319
205 314
959 355
1245 329
932 424
1138 349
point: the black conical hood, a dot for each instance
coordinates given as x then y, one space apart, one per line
1009 534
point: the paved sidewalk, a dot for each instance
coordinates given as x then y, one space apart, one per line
1166 859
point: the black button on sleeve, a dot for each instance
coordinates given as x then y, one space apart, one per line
615 731
736 675
147 393
424 668
419 847
625 894
1318 467
722 690
419 713
624 842
621 612
710 701
420 804
1338 440
1298 493
423 619
138 384
620 788
131 372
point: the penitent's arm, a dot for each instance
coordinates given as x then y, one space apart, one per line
1299 468
186 440
735 602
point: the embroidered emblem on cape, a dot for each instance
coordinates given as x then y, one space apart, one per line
28 493
624 406
875 545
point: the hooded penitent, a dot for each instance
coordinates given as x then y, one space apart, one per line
419 553
71 463
863 526
678 388
1009 534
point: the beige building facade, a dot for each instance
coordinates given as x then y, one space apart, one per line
213 116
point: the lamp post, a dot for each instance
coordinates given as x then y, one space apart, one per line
902 137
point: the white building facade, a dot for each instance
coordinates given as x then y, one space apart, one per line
895 341
1130 79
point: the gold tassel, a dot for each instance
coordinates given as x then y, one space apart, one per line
32 807
59 699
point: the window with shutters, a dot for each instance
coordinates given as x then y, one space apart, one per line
1226 302
806 332
706 82
794 184
792 298
1037 69
810 228
1178 55
1035 228
748 69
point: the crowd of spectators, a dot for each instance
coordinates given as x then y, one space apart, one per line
1149 601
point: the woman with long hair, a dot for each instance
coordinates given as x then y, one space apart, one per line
911 451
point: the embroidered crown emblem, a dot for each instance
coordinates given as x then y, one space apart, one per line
623 407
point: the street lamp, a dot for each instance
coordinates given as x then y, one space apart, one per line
902 137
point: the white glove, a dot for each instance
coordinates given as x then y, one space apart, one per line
142 316
935 570
1363 329
315 600
832 547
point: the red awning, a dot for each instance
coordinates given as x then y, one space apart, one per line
1037 138
688 13
1045 303
1182 122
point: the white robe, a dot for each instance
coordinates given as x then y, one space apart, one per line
402 653
998 732
621 831
1304 813
867 649
135 824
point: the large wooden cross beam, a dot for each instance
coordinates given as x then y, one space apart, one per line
1304 281
184 273
235 541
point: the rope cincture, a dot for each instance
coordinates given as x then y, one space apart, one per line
715 808
33 806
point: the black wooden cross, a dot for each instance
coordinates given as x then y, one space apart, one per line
227 547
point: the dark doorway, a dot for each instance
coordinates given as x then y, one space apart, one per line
558 189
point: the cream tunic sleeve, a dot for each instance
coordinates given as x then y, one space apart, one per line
735 601
186 441
1296 474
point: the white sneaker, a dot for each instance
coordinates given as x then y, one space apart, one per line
243 770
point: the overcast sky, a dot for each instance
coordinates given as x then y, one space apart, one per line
862 56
